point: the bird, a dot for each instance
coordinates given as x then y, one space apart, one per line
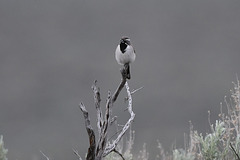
125 54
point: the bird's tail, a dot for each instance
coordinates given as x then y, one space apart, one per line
127 67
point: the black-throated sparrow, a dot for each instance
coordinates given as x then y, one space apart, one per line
125 54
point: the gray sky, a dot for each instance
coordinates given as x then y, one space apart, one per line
51 51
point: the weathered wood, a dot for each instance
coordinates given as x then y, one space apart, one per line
104 146
97 100
91 134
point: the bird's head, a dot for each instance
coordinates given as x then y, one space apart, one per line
125 40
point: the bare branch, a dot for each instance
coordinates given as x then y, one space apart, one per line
234 151
44 155
76 153
119 154
91 134
97 100
112 146
103 136
121 85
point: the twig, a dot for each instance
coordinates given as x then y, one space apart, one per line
76 153
44 155
134 91
97 100
91 134
115 134
234 151
119 154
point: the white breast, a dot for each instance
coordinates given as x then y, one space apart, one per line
126 57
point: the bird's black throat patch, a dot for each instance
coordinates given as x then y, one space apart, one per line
123 47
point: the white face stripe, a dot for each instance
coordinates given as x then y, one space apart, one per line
126 41
125 38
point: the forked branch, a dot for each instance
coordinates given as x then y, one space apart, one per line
103 146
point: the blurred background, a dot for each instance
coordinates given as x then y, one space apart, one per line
51 51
